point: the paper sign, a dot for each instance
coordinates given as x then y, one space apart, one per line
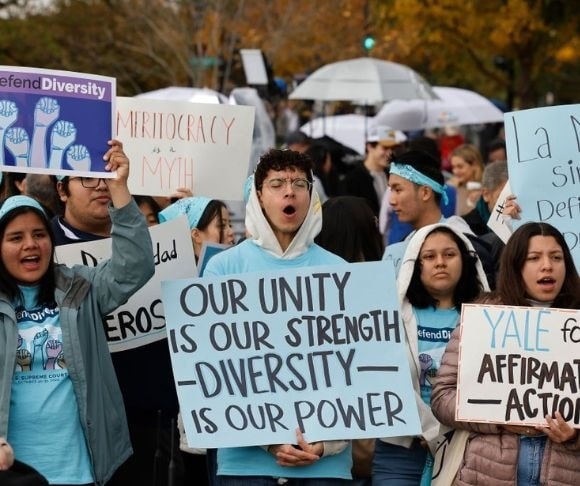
543 149
518 364
55 122
141 320
208 250
497 222
257 355
395 252
204 147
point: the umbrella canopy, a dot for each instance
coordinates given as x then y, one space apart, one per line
365 80
349 130
178 93
455 106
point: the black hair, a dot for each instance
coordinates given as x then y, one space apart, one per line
424 163
8 185
511 287
349 229
140 199
276 159
468 287
213 210
47 284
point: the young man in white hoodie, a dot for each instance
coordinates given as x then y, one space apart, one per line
283 215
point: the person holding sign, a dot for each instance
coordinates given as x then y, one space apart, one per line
209 220
144 372
283 215
536 269
60 404
440 271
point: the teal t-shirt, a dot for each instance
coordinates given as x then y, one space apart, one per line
434 328
255 461
44 426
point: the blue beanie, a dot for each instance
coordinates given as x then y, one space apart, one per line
14 202
192 207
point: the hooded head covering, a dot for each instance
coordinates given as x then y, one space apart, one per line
261 232
192 207
14 202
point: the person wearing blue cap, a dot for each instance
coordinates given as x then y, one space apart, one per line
209 220
283 215
61 408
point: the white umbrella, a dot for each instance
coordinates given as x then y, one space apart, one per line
349 130
365 80
455 106
179 93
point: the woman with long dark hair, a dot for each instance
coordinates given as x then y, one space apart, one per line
440 272
536 270
60 404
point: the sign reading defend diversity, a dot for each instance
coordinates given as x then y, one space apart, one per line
141 320
518 364
258 355
204 147
55 122
543 149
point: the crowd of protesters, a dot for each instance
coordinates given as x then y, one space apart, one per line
114 418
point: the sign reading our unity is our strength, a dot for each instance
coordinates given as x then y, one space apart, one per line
320 349
518 364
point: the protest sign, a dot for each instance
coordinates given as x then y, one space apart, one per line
518 364
394 252
543 149
208 250
497 222
202 146
141 320
55 122
258 355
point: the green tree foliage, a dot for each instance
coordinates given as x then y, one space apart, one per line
149 44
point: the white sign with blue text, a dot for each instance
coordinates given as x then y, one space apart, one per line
258 355
518 364
543 149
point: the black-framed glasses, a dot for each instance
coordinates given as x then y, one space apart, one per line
90 182
299 185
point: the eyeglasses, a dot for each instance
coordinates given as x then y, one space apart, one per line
298 185
90 182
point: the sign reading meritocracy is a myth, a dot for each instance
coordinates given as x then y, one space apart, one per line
518 364
55 122
141 320
543 149
172 144
258 355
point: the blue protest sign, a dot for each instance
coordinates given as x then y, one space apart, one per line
55 122
395 252
256 356
543 149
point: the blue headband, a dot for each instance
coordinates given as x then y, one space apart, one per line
14 202
413 175
192 207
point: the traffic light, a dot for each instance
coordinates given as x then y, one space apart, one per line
368 42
